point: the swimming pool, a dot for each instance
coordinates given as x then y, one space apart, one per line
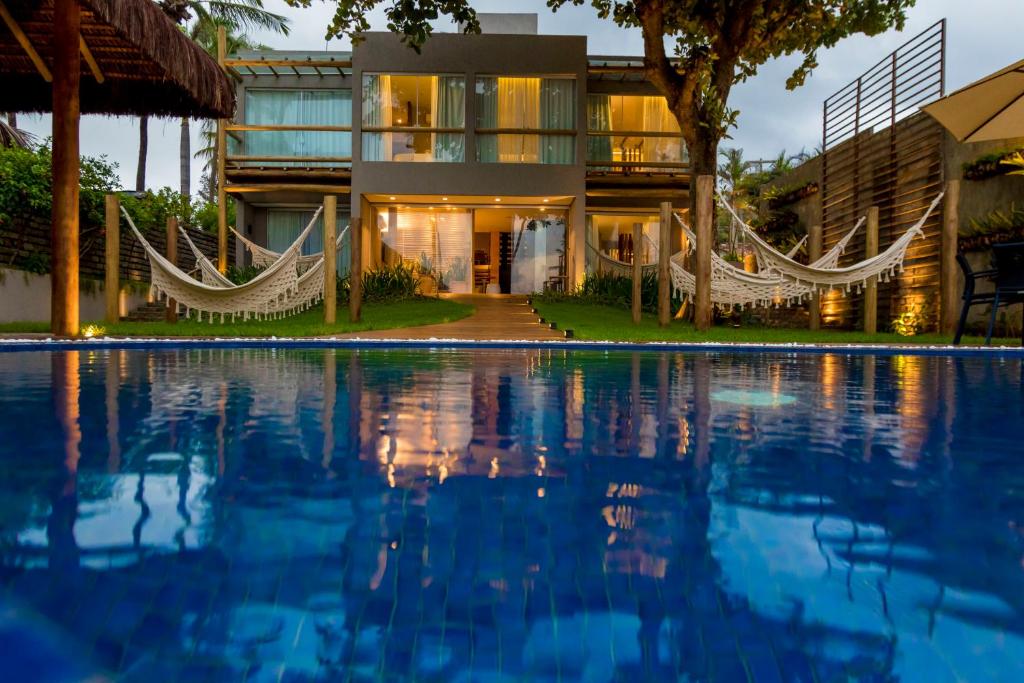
517 514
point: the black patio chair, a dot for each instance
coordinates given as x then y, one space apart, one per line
970 297
1008 259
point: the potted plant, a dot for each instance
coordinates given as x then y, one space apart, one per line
428 279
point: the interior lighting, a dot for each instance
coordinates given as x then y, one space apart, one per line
444 199
391 198
546 201
497 199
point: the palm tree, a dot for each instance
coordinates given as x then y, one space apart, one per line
732 175
202 17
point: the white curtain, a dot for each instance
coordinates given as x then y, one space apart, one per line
658 118
518 107
303 108
558 112
377 113
448 110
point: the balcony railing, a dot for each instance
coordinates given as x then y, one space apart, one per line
633 151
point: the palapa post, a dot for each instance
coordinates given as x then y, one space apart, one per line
814 247
172 256
664 239
67 71
112 259
702 259
638 236
871 288
948 275
222 150
330 259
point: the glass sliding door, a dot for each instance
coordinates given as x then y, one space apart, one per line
612 236
285 225
526 120
303 109
436 242
538 252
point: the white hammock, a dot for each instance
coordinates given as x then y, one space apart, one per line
263 257
768 258
272 292
732 286
883 265
209 272
310 285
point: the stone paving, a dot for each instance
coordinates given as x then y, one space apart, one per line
497 317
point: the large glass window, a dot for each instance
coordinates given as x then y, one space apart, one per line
304 128
526 120
285 225
628 130
413 118
436 242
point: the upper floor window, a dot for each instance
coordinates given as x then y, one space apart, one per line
292 127
413 118
632 132
526 120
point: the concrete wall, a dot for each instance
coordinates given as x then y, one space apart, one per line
25 297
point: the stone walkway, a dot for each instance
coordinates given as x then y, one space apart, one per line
496 318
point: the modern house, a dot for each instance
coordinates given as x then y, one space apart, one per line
491 160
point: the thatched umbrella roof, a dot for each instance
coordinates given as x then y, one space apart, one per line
147 64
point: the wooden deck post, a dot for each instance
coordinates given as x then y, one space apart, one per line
222 149
664 251
814 239
355 275
638 274
67 71
112 252
949 298
702 259
871 289
330 259
172 256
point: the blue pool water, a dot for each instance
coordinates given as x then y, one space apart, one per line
510 515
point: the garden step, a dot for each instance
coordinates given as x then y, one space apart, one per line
148 312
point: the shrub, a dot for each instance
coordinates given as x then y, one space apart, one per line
387 283
242 275
609 289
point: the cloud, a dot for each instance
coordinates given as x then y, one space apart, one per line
983 36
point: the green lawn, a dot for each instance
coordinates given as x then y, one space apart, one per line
606 323
376 316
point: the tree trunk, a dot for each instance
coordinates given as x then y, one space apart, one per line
12 119
185 150
140 174
703 161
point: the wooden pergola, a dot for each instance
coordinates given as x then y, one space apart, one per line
74 57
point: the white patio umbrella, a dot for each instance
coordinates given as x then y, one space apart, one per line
989 109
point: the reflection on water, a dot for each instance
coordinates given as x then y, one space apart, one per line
512 515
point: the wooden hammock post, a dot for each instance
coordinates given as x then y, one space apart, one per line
948 276
871 288
172 256
112 252
664 240
702 259
67 70
222 148
355 274
330 259
638 235
813 254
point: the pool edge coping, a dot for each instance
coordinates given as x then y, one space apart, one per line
52 344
